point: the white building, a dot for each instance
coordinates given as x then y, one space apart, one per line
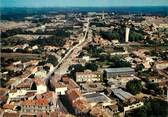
40 84
16 94
60 88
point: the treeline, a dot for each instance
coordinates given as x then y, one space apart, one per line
53 41
114 61
57 32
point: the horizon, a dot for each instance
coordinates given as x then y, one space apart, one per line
81 3
87 7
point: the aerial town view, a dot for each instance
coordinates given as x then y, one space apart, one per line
84 58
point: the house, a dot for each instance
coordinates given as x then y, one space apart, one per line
88 76
3 95
99 111
16 95
27 84
41 86
73 95
78 102
60 88
9 106
113 72
10 114
81 106
161 65
71 84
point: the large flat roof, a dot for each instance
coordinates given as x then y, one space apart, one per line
122 69
123 95
96 97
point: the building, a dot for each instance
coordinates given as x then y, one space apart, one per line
73 95
122 95
34 106
78 102
113 72
70 83
10 114
94 98
92 87
99 111
27 84
128 99
81 106
88 76
40 85
161 65
60 88
16 95
45 102
121 81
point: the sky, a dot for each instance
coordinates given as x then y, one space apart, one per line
81 3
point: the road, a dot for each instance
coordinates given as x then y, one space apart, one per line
69 54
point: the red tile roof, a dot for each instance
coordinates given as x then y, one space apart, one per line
60 85
82 105
46 95
39 81
8 106
73 94
39 102
27 83
10 114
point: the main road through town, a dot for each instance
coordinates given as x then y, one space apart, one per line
57 68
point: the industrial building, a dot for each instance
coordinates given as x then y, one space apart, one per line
113 72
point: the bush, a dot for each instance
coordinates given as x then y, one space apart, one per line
134 86
91 66
52 59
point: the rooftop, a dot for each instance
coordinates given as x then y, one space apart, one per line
27 83
123 95
96 97
10 114
60 85
73 94
8 106
82 105
36 102
123 69
45 95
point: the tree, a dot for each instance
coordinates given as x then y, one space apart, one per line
154 87
91 66
135 36
140 67
134 86
52 59
151 108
